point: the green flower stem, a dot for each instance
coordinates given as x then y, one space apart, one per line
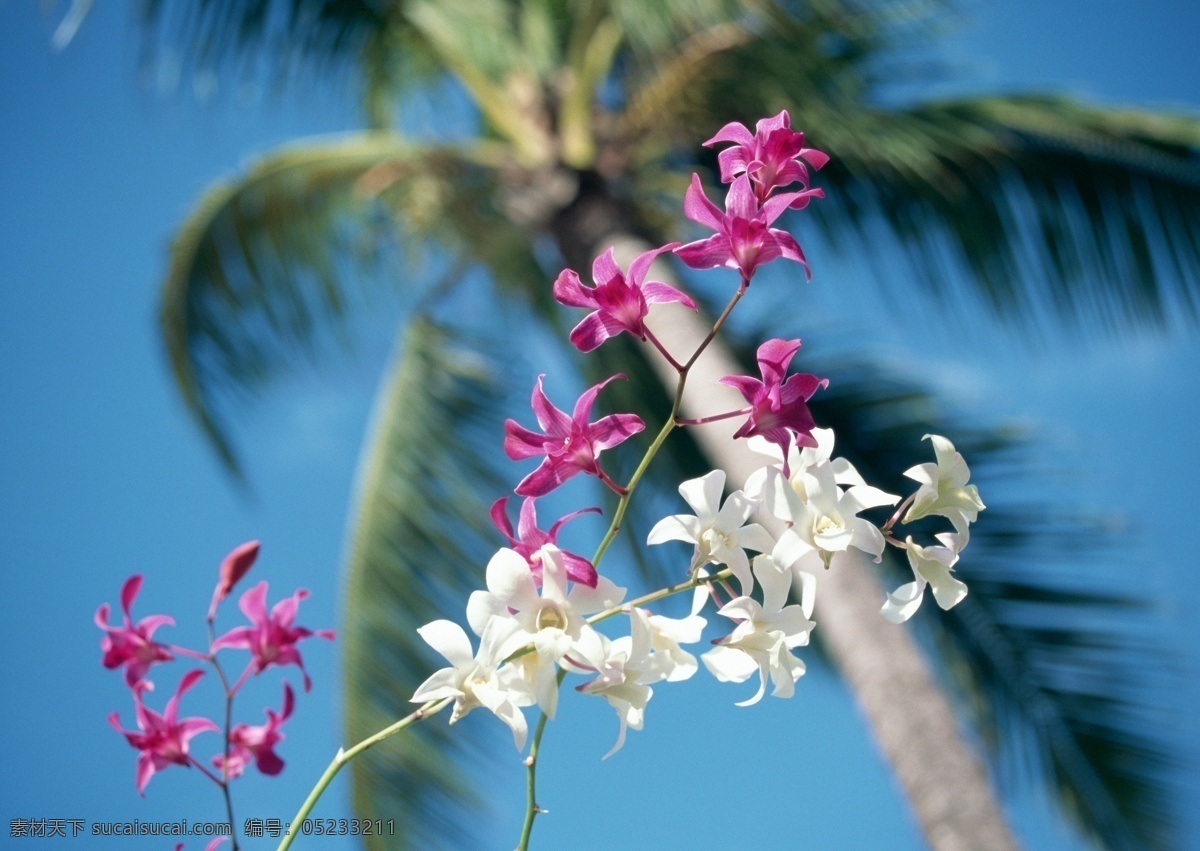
344 756
531 808
224 781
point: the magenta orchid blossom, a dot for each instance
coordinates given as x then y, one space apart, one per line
530 539
132 645
744 238
270 638
257 743
771 156
570 444
162 739
778 409
618 302
233 568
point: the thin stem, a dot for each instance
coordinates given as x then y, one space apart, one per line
663 351
532 809
887 527
343 756
224 781
214 778
615 526
713 418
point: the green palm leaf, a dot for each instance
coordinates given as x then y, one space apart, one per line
419 539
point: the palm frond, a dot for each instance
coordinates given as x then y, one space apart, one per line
419 540
267 267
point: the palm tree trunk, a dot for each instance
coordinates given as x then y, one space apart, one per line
909 714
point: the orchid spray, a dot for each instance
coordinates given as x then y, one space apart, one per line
164 739
535 622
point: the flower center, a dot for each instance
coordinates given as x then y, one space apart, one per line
551 617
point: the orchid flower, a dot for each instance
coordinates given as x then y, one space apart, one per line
530 540
930 566
270 638
771 156
132 645
944 489
624 669
744 238
720 532
552 620
778 408
162 740
478 679
618 302
765 634
570 444
257 743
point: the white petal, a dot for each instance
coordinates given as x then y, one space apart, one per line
844 472
605 595
736 510
704 494
449 639
947 590
776 582
509 578
482 606
806 585
755 537
443 683
729 665
902 603
677 527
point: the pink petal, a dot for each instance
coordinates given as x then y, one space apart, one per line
548 476
147 625
733 161
750 388
789 249
699 209
583 408
569 290
707 253
554 422
734 131
612 430
520 442
775 122
580 569
552 534
594 329
145 770
773 359
641 264
238 638
527 521
604 268
801 386
657 292
803 198
741 201
499 515
129 592
817 159
254 604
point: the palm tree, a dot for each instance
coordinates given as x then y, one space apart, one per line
588 120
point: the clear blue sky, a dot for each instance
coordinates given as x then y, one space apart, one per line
102 475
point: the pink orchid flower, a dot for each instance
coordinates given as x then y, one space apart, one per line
271 639
770 157
778 409
570 444
258 742
130 645
618 302
530 540
233 568
162 739
744 239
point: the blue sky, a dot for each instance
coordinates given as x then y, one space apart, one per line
102 475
